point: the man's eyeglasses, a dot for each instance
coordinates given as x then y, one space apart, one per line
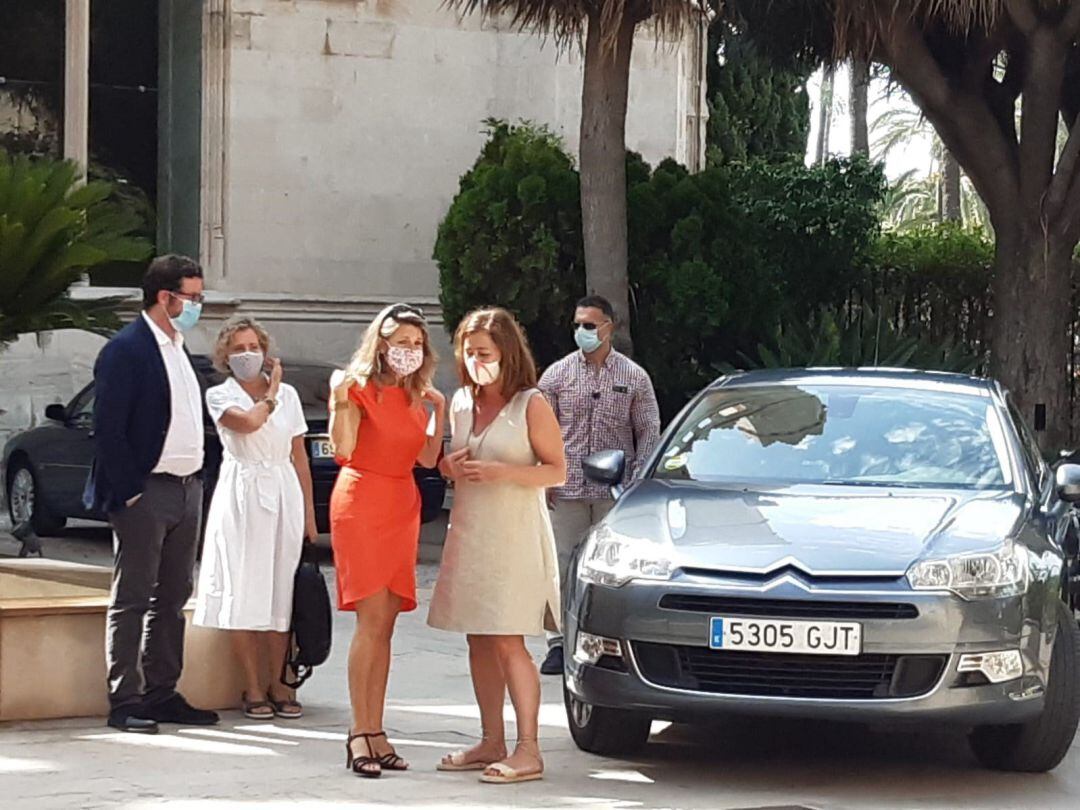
195 298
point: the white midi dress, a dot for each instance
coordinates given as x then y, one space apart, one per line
499 574
255 525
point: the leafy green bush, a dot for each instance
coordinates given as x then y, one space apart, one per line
868 339
922 301
718 259
936 281
135 205
512 237
757 108
51 232
721 258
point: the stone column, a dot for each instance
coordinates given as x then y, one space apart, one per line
180 80
77 83
217 37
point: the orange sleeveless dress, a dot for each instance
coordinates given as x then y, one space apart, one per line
375 505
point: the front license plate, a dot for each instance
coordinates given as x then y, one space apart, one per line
778 636
320 448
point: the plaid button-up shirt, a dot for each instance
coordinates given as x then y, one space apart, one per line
610 407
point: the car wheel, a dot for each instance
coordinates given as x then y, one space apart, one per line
25 505
1041 744
604 731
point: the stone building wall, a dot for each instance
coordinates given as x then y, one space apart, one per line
334 133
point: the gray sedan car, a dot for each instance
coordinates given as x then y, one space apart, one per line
851 545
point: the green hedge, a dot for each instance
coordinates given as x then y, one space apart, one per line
724 263
512 237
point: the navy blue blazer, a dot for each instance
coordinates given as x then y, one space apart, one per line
132 411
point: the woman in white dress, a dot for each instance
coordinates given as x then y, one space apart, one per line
262 510
499 579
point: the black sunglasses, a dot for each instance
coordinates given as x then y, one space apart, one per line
591 327
405 309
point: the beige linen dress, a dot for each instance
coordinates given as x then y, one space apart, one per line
499 574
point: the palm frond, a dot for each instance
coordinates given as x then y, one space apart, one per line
565 20
51 233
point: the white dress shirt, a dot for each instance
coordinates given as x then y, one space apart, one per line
182 453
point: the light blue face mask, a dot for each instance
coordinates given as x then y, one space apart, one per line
588 340
188 317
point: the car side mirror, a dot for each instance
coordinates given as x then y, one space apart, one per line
1067 478
58 413
605 467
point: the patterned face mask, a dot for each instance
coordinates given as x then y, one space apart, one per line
404 362
482 373
246 365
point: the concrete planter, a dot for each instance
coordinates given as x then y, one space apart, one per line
52 645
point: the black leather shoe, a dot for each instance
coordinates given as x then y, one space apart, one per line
177 710
553 664
124 720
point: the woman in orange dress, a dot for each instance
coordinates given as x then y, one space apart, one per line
386 417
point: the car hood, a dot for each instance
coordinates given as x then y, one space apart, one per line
823 530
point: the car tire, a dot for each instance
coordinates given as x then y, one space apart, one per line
604 731
1040 745
42 520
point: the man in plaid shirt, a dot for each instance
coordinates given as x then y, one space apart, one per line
604 401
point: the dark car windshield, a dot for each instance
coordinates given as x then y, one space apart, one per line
840 434
311 381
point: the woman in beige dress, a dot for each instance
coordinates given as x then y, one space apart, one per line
499 577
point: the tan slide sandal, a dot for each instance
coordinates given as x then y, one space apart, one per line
457 762
505 775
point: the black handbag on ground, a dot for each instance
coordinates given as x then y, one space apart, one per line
312 621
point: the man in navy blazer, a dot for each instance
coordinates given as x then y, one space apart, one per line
148 433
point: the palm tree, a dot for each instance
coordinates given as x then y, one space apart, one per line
860 104
825 114
51 232
607 27
944 194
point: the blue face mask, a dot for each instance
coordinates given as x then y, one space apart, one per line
588 340
188 317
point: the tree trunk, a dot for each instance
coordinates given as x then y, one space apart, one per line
951 206
1030 327
825 100
603 167
860 105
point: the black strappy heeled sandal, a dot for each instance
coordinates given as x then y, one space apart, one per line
390 760
367 766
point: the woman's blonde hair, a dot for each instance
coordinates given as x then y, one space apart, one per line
517 369
367 363
236 324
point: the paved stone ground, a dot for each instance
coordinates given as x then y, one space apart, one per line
82 764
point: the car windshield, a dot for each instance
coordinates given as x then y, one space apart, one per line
312 383
840 434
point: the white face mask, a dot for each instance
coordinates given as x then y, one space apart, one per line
404 362
482 373
246 366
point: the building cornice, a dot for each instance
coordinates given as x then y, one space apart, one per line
270 307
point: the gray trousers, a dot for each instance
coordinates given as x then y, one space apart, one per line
154 541
571 522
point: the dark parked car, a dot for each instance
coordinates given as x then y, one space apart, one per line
848 545
45 468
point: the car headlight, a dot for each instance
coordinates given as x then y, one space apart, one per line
613 559
995 574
